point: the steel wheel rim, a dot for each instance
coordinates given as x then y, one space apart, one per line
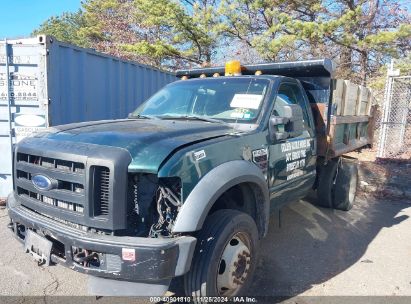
234 265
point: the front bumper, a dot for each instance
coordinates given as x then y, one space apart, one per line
156 260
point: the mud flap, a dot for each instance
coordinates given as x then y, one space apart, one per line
39 247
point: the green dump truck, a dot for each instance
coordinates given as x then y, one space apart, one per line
185 185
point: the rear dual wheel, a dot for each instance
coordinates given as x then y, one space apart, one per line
337 184
225 256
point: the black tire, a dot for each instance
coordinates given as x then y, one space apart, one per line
218 232
326 179
346 185
337 184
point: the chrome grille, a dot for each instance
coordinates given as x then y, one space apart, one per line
69 194
91 176
62 165
50 201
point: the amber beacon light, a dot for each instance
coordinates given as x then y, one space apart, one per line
232 68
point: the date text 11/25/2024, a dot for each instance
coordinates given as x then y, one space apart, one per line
175 299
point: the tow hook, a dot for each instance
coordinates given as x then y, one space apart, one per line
85 258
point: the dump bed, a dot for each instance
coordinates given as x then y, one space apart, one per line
342 110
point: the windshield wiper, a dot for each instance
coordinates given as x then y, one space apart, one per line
142 116
192 117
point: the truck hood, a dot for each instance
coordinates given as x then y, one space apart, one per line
149 141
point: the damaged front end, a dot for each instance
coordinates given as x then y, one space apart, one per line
108 257
153 205
97 218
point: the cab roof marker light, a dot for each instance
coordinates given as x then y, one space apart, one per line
184 77
258 73
216 75
203 75
315 68
232 68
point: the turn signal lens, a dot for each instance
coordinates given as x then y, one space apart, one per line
232 68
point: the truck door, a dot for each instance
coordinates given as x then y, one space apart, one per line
292 161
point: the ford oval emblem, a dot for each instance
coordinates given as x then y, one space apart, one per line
42 182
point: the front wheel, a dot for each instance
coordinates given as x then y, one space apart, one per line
225 256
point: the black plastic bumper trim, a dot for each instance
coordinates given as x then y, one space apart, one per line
156 259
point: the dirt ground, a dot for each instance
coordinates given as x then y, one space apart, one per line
316 252
316 255
384 177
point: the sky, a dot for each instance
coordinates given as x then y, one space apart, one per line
18 18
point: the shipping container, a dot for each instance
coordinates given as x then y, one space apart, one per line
45 82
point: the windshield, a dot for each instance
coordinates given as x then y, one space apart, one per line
226 99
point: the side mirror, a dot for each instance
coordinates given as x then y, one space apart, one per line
290 123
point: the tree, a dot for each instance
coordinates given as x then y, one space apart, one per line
178 33
110 25
379 77
360 35
166 33
65 27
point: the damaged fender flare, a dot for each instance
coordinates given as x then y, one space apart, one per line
199 202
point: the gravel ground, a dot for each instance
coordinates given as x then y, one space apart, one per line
316 252
320 252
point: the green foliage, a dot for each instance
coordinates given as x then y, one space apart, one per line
360 35
353 33
181 32
65 28
157 50
379 78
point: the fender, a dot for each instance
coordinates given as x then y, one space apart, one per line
200 200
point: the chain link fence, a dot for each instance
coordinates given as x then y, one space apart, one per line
394 136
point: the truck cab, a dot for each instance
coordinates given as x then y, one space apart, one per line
185 186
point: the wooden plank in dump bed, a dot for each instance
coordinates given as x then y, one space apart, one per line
350 125
349 133
350 97
363 101
337 89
